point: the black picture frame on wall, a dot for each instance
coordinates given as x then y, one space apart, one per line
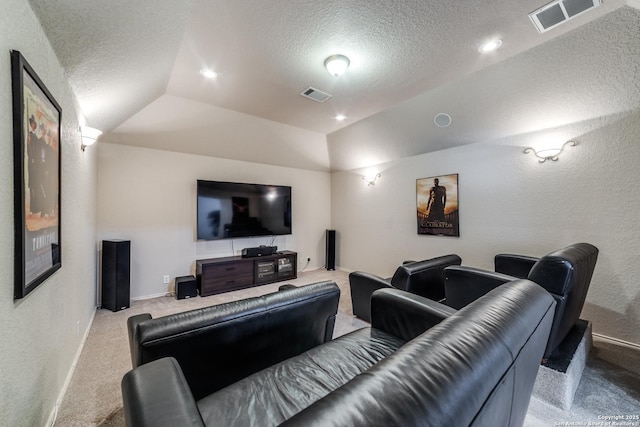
37 159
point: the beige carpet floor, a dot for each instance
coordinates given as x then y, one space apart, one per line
609 385
93 397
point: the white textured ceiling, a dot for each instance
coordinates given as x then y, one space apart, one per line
591 73
130 60
118 54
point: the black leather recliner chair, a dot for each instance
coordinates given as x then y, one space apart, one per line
565 274
424 278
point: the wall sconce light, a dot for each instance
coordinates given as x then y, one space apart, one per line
371 179
337 64
89 136
549 153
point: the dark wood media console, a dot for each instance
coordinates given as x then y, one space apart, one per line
217 275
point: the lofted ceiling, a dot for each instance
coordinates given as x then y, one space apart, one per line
134 66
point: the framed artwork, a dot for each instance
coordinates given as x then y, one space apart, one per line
36 135
437 205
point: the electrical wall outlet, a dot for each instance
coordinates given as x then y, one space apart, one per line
167 279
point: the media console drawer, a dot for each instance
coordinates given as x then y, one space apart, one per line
217 275
228 269
216 285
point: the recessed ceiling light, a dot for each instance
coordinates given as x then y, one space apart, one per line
490 46
208 73
341 117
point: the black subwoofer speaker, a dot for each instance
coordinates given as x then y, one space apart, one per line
186 287
331 250
116 261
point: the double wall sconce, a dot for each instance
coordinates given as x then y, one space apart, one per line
371 178
89 136
549 153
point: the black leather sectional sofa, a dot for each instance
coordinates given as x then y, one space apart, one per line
219 345
475 366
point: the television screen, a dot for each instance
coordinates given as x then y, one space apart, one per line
232 209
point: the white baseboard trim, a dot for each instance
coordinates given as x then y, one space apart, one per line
308 269
164 294
54 413
617 341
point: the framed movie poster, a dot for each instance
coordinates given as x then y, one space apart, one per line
437 203
36 134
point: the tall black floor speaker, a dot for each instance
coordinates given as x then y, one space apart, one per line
116 261
331 250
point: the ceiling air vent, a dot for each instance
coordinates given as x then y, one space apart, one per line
559 11
315 94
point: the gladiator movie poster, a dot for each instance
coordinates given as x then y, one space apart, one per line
37 154
437 205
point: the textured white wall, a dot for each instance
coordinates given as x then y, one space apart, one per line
148 196
510 203
38 334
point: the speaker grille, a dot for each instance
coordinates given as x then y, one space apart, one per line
442 120
331 250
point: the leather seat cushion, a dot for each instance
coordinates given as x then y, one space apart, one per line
275 394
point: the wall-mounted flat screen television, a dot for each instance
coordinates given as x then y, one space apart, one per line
228 210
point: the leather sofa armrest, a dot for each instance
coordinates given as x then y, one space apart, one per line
157 394
134 337
362 287
404 314
514 265
463 285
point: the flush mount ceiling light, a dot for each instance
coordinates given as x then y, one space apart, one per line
341 117
490 46
208 73
337 64
549 153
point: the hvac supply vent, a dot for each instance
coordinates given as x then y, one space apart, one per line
315 94
559 11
